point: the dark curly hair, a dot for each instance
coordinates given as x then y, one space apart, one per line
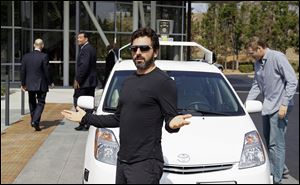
148 32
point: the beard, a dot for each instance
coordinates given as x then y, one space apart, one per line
141 63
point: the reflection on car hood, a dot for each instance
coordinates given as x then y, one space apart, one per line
207 140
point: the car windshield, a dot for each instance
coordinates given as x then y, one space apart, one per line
199 93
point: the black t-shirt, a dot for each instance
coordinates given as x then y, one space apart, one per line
145 102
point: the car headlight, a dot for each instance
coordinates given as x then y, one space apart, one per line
106 146
253 153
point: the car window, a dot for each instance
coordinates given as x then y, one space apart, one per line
113 92
199 93
206 92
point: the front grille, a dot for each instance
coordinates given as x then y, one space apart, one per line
179 169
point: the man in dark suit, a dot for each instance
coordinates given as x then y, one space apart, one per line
35 78
110 60
86 77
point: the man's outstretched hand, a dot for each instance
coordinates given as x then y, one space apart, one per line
72 115
179 121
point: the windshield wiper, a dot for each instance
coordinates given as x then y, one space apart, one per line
187 111
203 112
110 108
212 112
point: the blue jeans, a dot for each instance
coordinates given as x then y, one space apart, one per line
274 130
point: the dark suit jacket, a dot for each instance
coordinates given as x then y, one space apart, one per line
86 74
110 61
35 73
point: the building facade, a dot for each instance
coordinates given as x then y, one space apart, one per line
57 23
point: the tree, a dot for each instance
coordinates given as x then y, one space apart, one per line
226 27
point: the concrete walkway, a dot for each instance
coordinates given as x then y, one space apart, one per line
59 160
60 154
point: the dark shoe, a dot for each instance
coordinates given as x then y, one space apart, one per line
80 127
37 127
86 127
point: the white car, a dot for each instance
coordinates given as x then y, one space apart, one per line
220 145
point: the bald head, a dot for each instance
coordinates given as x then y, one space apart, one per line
38 44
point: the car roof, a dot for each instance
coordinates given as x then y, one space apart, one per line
170 65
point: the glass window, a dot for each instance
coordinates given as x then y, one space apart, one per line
123 40
53 42
174 3
18 52
100 73
85 20
174 14
175 52
97 42
72 46
147 16
48 15
17 73
114 89
104 12
205 93
56 70
27 43
17 6
72 15
6 13
6 45
26 14
124 17
5 69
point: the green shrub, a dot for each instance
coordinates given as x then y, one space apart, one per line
2 91
246 67
295 67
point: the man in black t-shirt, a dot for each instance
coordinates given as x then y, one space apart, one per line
147 98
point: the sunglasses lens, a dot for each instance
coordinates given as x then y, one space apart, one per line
143 48
133 48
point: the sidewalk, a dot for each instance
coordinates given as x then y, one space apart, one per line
54 155
59 160
19 142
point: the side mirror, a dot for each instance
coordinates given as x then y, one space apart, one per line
86 102
253 106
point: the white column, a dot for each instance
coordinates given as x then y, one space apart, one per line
153 15
66 43
142 14
135 16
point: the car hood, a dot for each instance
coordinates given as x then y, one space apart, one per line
207 140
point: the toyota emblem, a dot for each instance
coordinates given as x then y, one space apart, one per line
183 158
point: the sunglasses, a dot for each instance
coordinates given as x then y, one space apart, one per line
143 48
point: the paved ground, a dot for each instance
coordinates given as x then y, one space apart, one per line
59 160
19 142
53 156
